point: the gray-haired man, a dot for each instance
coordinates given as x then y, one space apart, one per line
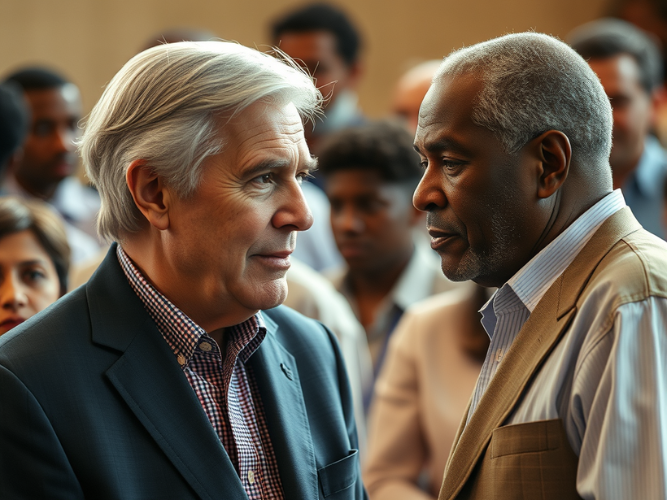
162 377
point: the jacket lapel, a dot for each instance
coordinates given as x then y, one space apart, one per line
537 338
277 377
152 384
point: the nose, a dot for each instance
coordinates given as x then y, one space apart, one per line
430 194
295 211
12 294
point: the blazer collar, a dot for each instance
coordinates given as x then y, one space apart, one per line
537 338
277 376
150 381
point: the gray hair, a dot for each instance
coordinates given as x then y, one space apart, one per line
164 106
532 83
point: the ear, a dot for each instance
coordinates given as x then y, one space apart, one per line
554 153
149 193
658 102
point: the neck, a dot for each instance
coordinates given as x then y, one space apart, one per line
199 301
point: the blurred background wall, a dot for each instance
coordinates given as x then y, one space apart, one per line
89 40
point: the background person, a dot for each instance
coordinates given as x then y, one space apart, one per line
34 260
423 390
370 174
410 90
629 66
48 165
323 39
14 118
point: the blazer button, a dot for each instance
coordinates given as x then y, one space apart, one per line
287 371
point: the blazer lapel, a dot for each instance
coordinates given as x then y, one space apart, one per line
277 377
152 384
537 338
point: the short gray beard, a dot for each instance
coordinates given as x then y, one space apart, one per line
476 264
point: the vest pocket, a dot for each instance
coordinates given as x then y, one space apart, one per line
339 475
532 437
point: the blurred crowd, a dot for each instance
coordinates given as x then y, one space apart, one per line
411 339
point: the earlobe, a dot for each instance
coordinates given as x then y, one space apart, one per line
149 193
555 154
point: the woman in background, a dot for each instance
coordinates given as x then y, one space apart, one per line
34 260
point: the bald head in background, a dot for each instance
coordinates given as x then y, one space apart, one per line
410 90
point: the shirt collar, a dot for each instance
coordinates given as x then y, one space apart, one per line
182 333
533 280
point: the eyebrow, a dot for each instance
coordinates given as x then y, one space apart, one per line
443 144
276 164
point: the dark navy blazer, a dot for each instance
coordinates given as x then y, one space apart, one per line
93 404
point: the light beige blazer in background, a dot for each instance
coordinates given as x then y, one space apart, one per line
421 393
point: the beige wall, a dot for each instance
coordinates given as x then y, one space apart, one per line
89 40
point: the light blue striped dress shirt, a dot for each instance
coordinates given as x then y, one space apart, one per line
510 307
607 380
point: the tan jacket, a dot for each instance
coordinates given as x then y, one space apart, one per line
534 460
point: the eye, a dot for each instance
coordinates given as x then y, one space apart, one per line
33 275
265 178
302 176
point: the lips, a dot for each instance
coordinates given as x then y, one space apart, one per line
279 260
10 323
441 238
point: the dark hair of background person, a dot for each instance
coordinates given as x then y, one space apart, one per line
18 215
382 146
14 121
37 78
322 17
608 38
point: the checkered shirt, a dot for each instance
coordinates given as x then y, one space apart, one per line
239 419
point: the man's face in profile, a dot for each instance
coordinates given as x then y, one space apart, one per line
235 235
476 195
49 153
632 106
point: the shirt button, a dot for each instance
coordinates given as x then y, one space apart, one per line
499 356
205 346
181 359
251 477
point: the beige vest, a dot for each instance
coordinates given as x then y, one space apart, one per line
534 460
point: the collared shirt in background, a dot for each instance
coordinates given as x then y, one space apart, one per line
227 391
643 191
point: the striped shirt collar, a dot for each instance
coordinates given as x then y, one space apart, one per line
182 333
527 287
534 279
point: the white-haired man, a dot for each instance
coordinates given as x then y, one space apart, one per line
515 135
161 378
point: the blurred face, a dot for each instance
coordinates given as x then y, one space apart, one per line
232 240
316 51
371 219
478 198
28 279
632 107
408 97
49 153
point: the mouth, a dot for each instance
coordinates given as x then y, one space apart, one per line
277 260
10 323
441 238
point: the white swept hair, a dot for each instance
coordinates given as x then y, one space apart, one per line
532 83
164 106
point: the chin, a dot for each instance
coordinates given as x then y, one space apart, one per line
267 295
